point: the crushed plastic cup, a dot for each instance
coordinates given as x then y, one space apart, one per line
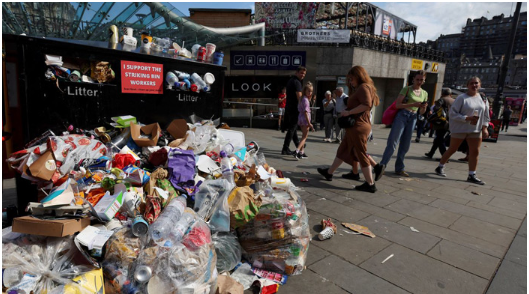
327 233
210 49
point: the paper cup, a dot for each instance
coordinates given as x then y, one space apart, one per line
327 233
210 49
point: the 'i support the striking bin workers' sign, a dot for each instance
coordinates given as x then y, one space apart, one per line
141 78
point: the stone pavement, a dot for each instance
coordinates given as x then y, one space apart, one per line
465 231
469 239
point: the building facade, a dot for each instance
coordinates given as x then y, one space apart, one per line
480 33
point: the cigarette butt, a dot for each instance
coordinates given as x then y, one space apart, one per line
387 258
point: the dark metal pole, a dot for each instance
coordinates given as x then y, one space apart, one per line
506 60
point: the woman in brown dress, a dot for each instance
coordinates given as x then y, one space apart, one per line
354 146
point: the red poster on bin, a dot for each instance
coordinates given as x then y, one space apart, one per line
141 78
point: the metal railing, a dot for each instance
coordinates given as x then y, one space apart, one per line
288 37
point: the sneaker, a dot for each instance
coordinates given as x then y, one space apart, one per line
337 141
325 140
440 171
286 152
297 155
366 187
325 172
379 171
474 180
402 173
351 176
417 140
428 155
304 155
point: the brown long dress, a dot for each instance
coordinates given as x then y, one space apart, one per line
354 144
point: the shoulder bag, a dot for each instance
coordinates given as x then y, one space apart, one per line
391 112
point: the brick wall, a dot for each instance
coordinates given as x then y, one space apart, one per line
221 19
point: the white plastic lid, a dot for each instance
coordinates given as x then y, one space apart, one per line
209 78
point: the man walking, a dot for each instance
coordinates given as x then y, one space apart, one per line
506 118
340 106
290 124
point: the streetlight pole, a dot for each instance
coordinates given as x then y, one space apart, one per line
505 64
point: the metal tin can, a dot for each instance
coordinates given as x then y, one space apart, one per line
143 274
201 54
105 138
139 226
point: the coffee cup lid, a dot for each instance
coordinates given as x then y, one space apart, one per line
209 78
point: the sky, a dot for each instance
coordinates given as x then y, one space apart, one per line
431 18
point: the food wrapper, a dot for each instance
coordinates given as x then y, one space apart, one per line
152 209
243 206
136 176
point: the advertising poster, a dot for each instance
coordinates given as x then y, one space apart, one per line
323 36
286 15
254 86
141 78
517 109
386 25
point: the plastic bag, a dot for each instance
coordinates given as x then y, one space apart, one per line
277 239
181 166
228 251
49 261
183 267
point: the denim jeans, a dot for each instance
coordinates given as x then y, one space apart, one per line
401 131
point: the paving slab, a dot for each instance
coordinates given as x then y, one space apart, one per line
418 273
336 210
522 231
487 216
353 248
352 278
410 194
497 210
456 237
464 258
511 278
462 194
311 283
508 204
374 210
518 251
400 234
423 212
493 233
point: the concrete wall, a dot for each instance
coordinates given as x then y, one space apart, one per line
389 71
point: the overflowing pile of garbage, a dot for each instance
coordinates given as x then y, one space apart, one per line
131 208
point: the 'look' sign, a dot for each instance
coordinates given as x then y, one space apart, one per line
142 78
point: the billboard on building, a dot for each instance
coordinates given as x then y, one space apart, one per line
323 36
286 15
386 25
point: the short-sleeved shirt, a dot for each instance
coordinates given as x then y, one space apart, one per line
412 98
330 107
281 104
303 107
361 96
293 86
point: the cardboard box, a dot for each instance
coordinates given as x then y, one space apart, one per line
122 121
50 228
109 205
153 130
178 128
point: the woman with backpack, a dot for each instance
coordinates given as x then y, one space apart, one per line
469 120
439 121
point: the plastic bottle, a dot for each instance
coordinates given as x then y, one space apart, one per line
227 168
199 82
162 227
171 79
180 228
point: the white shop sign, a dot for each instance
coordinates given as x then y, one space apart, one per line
323 36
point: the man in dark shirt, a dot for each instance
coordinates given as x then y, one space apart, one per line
290 125
506 118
